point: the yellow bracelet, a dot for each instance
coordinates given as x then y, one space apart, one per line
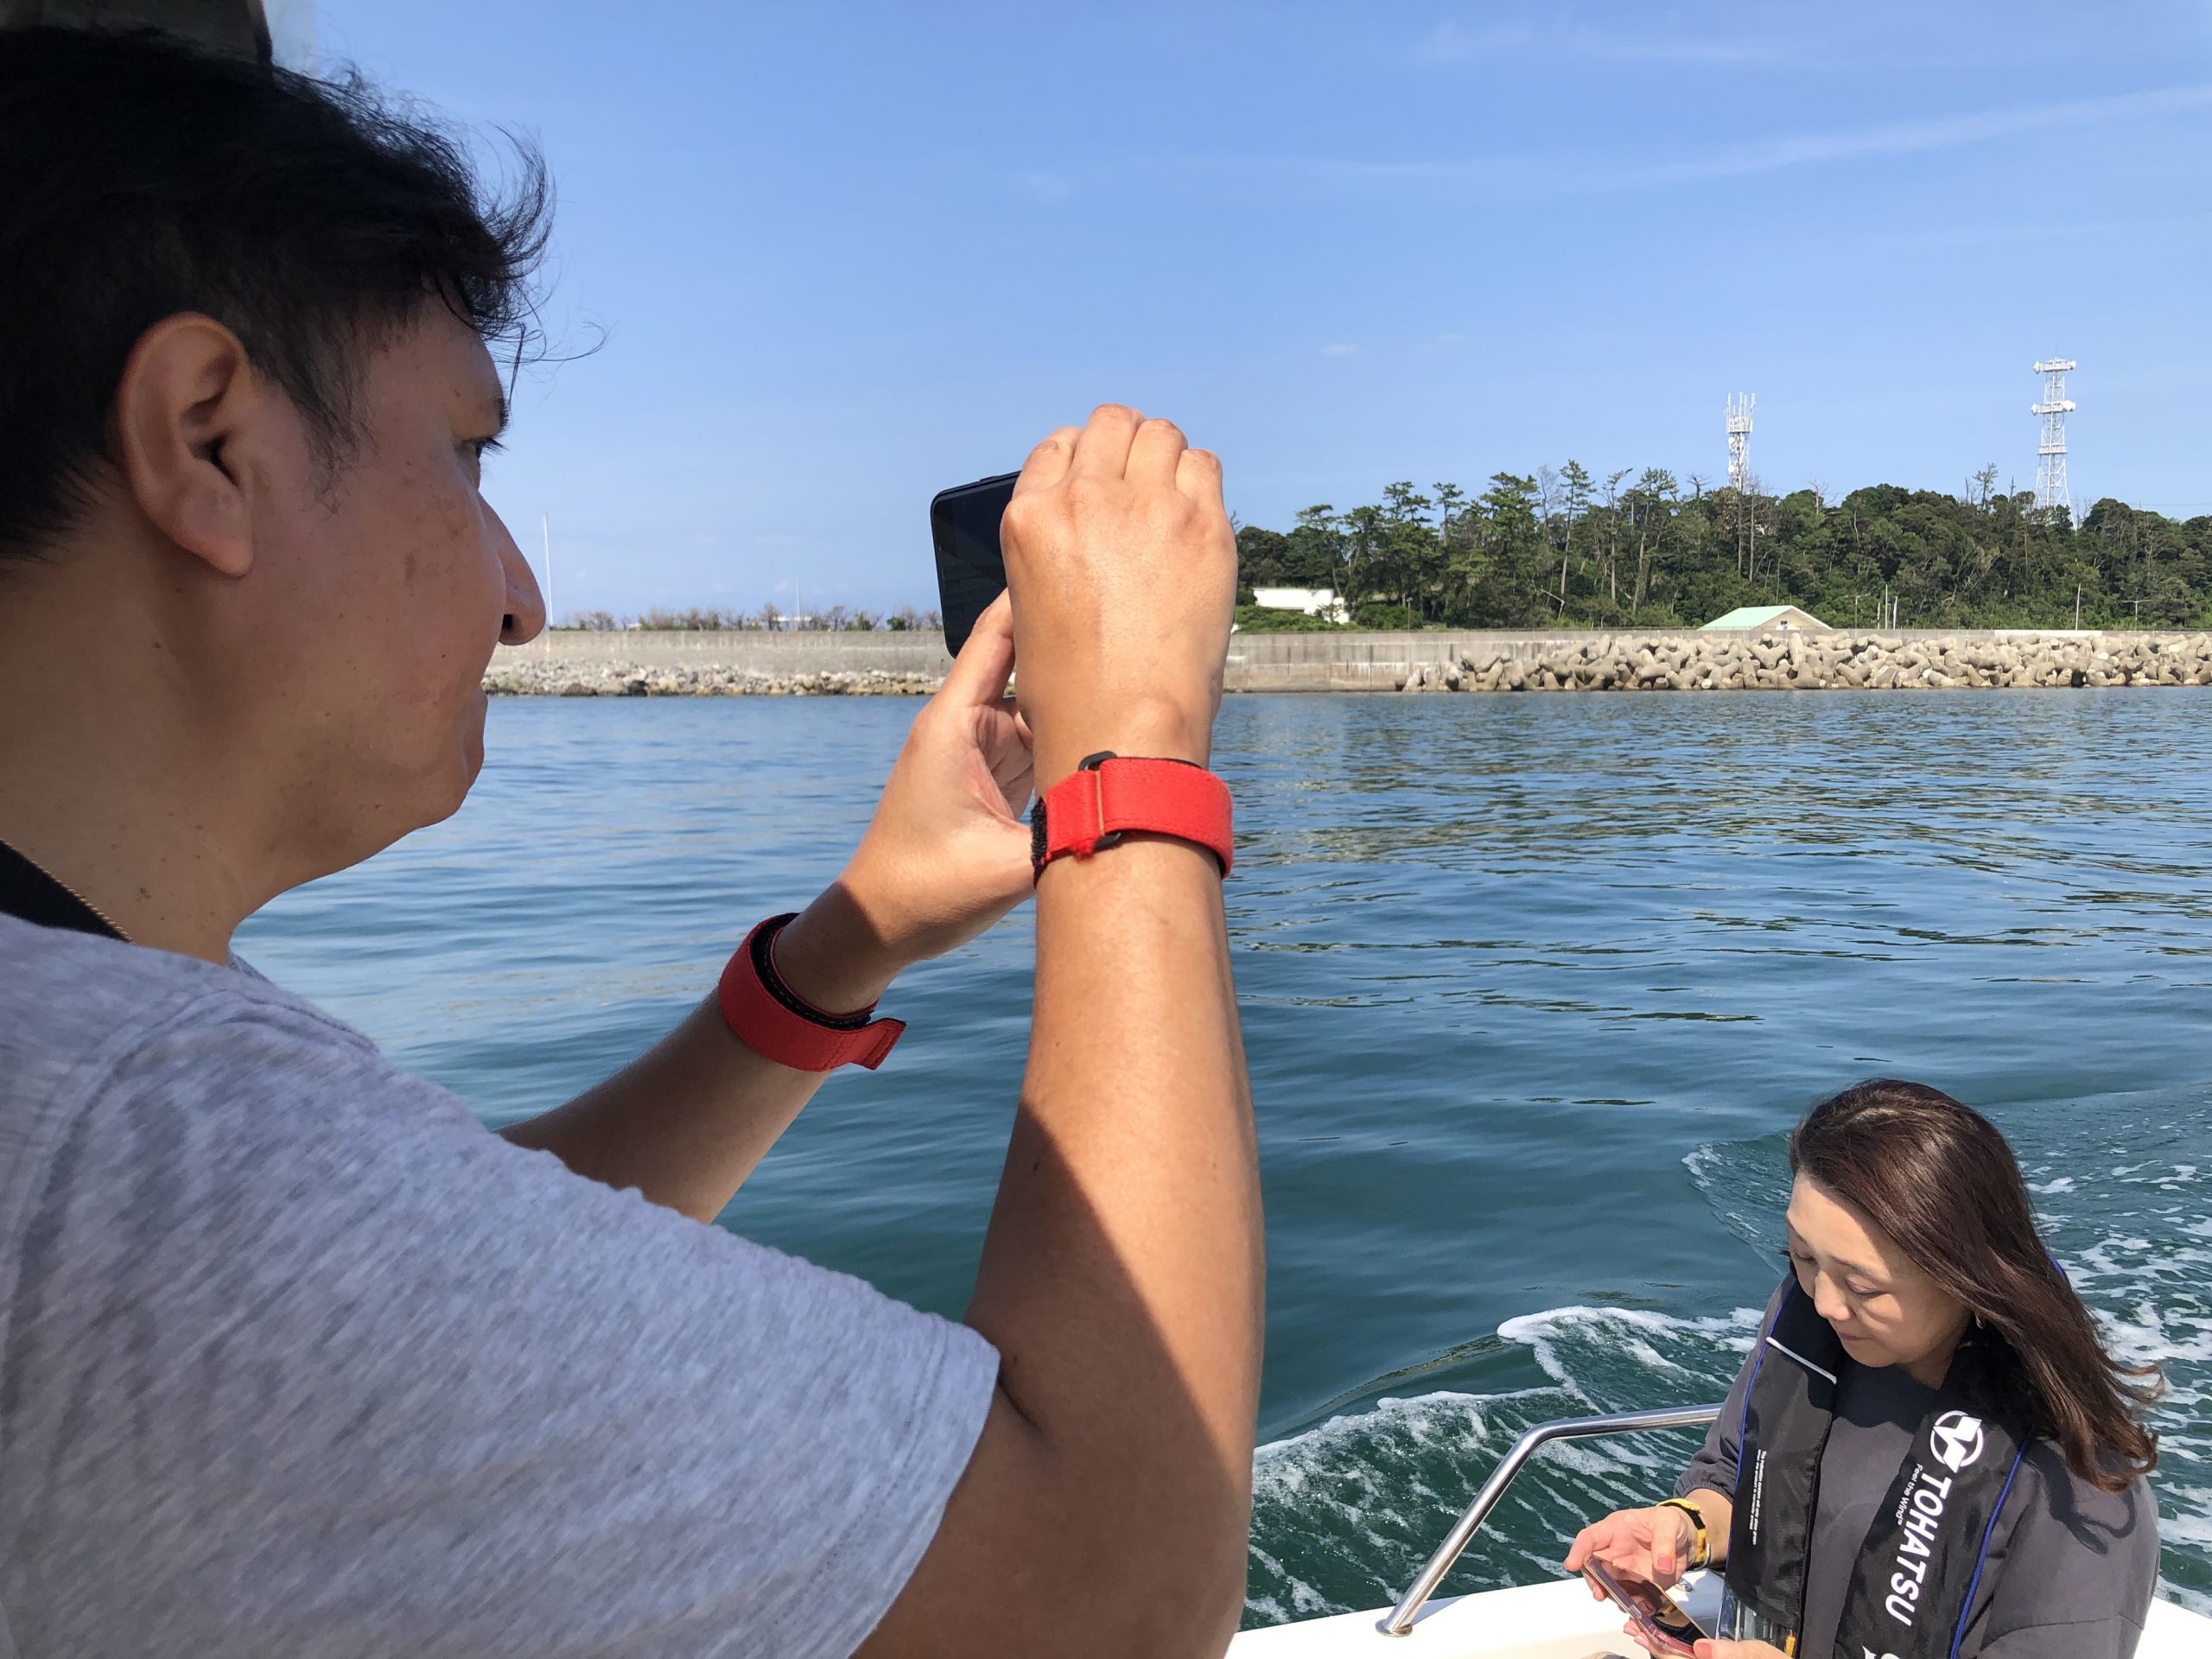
1701 1549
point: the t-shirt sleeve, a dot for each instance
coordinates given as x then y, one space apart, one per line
301 1359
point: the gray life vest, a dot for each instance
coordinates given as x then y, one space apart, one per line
1914 1581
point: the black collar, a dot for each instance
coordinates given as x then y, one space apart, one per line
29 894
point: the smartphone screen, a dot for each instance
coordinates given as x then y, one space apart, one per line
1658 1615
970 570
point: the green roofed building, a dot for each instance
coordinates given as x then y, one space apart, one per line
1752 618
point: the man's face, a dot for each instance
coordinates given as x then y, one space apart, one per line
377 600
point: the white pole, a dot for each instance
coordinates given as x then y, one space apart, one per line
545 525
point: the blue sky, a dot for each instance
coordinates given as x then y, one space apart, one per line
845 254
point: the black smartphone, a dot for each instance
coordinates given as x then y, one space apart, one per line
970 569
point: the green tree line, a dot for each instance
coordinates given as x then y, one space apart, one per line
1571 548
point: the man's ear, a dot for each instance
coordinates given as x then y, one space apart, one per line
187 395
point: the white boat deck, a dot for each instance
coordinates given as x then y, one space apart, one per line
1560 1621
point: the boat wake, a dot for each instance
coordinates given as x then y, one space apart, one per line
1346 1512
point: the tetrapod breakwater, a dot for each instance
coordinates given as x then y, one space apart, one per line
1831 660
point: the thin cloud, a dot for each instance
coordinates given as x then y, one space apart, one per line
1516 174
1046 187
1341 348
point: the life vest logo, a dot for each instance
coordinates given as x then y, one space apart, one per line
1956 1439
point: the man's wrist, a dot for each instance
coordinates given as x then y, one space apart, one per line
1127 737
1139 730
832 959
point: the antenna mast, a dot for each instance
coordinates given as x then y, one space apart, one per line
1739 441
2051 494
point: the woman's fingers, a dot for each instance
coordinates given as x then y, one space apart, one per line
1578 1551
1586 1544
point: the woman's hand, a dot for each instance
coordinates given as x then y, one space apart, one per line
1709 1647
1655 1543
946 854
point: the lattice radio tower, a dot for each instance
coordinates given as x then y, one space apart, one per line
2051 494
1739 441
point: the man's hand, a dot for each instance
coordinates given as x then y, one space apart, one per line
1123 571
946 854
1655 1543
1710 1649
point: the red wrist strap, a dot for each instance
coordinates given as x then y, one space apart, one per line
1108 796
776 1023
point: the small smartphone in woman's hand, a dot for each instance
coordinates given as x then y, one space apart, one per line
1667 1628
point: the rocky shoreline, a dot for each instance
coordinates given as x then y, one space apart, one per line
523 678
1674 660
1832 661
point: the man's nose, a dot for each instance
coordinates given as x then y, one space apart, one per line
525 605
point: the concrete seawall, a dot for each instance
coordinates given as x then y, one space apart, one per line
654 663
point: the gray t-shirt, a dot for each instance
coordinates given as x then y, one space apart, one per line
2071 1569
297 1359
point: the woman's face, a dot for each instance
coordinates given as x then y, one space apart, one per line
1886 1310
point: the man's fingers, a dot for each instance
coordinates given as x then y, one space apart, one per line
986 661
1198 474
1155 453
1048 462
1103 450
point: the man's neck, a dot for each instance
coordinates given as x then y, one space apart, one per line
103 782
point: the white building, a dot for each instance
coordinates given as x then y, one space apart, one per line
1312 602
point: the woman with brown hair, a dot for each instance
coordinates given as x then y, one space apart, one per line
1930 1454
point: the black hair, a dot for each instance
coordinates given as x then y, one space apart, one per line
1939 1179
140 177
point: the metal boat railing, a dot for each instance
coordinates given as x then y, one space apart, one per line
1400 1621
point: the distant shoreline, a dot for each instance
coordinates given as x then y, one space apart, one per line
642 663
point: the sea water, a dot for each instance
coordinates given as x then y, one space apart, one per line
1532 989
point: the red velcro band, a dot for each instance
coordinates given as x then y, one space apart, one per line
773 1020
1108 796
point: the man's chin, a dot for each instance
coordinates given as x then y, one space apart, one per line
471 743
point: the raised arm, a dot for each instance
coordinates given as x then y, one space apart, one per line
1105 1510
